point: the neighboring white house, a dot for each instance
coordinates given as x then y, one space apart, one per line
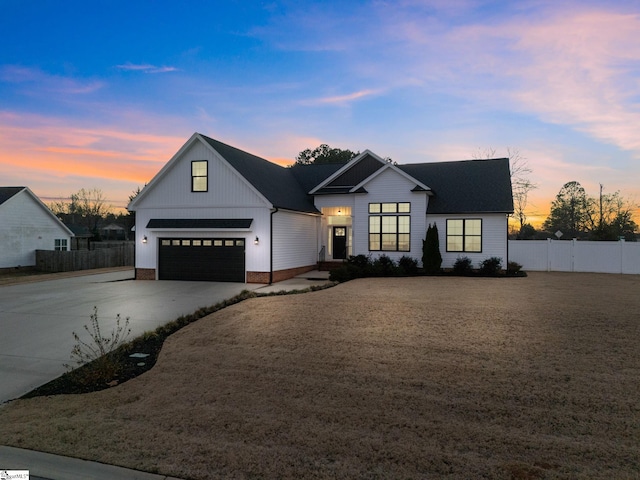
27 225
215 212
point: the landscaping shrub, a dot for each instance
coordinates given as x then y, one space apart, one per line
98 348
408 265
491 266
514 267
384 266
462 266
431 257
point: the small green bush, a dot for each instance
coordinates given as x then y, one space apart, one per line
491 266
463 266
384 266
408 265
514 267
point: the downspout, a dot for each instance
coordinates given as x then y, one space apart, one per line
275 210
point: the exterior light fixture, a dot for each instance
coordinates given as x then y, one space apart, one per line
144 239
256 241
339 212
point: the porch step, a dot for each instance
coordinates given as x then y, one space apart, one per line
328 266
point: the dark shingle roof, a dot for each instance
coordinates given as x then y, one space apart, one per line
7 192
467 186
276 183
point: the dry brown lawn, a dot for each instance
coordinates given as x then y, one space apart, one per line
523 378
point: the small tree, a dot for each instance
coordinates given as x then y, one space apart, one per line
431 258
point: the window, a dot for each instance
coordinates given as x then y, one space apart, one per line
464 235
60 244
199 176
389 232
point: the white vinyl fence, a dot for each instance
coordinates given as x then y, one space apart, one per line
576 256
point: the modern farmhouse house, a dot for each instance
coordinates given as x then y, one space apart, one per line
217 213
27 225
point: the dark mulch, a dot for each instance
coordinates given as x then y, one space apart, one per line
89 378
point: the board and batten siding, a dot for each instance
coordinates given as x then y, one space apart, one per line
25 226
295 240
257 256
494 238
390 186
226 188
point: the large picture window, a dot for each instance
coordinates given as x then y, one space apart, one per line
464 235
389 232
199 181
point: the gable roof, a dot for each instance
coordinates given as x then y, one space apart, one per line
467 186
6 193
277 184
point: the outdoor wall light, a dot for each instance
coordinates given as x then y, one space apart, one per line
256 241
144 239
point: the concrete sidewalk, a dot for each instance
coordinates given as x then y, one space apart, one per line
46 466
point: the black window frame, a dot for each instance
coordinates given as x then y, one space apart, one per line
382 211
464 235
195 177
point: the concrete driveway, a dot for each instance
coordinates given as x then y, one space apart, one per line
37 319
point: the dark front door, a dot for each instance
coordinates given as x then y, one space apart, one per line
339 243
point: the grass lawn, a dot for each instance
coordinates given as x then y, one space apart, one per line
428 377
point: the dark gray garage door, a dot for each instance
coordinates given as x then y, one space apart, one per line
205 259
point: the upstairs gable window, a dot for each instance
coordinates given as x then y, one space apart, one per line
199 178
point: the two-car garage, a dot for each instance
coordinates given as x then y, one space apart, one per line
203 259
194 256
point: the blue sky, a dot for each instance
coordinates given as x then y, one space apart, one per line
101 94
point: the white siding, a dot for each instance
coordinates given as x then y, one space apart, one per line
257 256
494 238
295 240
226 188
25 226
390 186
228 196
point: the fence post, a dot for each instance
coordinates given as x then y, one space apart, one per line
548 254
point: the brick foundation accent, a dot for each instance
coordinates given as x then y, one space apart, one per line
278 276
257 277
145 273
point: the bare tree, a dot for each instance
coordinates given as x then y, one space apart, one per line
85 207
521 186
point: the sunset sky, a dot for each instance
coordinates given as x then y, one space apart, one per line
98 94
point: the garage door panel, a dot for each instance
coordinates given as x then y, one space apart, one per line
211 259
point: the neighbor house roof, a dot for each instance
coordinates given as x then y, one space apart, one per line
466 186
7 192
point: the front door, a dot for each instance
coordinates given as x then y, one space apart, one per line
339 243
